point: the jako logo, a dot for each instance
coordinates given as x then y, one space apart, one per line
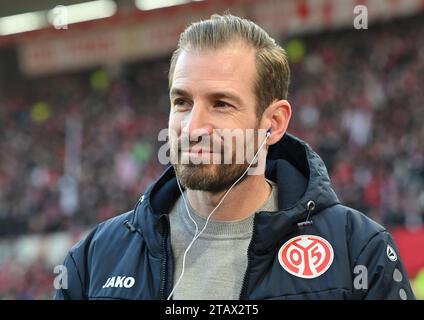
119 282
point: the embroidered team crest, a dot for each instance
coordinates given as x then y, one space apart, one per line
306 256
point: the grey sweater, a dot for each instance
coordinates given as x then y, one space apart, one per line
217 261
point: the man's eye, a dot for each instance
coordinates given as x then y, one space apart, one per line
222 104
180 102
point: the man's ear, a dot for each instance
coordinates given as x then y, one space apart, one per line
277 117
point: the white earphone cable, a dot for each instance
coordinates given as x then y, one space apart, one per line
197 234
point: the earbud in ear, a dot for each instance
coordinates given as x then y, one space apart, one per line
269 131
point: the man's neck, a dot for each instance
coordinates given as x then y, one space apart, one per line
243 200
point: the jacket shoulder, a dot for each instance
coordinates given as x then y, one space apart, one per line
361 230
78 260
358 226
114 226
105 229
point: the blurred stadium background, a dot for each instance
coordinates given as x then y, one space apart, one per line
83 94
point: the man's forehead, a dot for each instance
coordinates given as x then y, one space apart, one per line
228 64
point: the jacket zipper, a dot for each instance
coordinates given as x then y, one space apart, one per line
165 260
243 291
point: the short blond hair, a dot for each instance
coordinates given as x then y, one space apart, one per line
273 72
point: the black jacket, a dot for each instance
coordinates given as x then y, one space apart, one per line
349 255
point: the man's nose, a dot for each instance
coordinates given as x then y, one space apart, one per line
199 122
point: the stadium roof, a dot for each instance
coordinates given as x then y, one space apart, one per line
12 7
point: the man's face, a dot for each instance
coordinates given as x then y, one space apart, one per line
211 89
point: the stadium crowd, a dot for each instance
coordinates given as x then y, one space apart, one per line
357 99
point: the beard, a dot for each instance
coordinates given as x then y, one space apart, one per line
209 177
214 178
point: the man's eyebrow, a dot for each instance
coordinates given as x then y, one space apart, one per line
225 95
213 95
179 92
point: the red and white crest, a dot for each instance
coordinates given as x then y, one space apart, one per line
306 256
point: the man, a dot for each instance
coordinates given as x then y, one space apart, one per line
214 231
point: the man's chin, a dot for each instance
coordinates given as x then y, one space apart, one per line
207 177
197 177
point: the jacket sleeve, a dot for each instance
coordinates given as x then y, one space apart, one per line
379 272
72 284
